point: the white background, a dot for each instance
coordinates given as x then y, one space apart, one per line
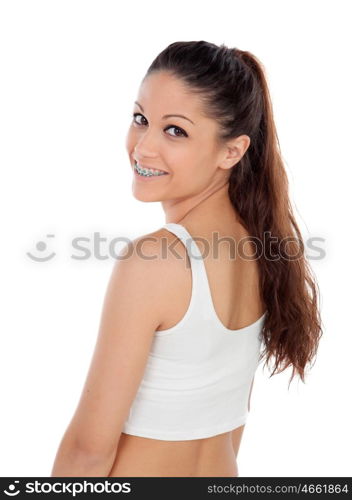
70 71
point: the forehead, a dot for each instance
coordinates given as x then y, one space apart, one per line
167 93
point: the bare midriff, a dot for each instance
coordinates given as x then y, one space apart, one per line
209 457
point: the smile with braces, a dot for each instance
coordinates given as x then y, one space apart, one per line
146 172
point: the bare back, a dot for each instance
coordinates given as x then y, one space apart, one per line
234 284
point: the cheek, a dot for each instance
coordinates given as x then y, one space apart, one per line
191 165
130 140
190 174
185 160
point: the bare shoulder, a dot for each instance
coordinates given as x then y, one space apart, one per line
140 276
160 254
155 255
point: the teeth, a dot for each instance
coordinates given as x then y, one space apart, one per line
148 172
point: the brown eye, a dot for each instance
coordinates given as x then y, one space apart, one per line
134 118
180 131
183 133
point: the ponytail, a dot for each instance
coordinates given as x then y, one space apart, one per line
258 190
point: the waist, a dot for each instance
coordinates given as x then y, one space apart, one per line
138 456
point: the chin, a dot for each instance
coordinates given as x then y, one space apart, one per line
144 196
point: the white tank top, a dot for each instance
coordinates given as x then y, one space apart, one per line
199 373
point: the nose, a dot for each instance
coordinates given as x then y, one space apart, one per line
146 146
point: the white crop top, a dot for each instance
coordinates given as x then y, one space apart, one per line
198 374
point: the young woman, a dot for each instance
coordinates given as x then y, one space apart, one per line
187 318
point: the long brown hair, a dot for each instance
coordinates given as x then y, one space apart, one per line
232 86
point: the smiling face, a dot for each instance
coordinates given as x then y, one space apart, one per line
185 147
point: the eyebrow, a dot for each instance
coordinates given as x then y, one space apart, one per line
167 116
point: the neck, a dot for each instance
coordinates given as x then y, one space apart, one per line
212 202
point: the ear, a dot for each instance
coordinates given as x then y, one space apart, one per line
234 150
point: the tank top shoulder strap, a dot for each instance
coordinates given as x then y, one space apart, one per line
201 294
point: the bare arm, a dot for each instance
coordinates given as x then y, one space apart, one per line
73 462
129 319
